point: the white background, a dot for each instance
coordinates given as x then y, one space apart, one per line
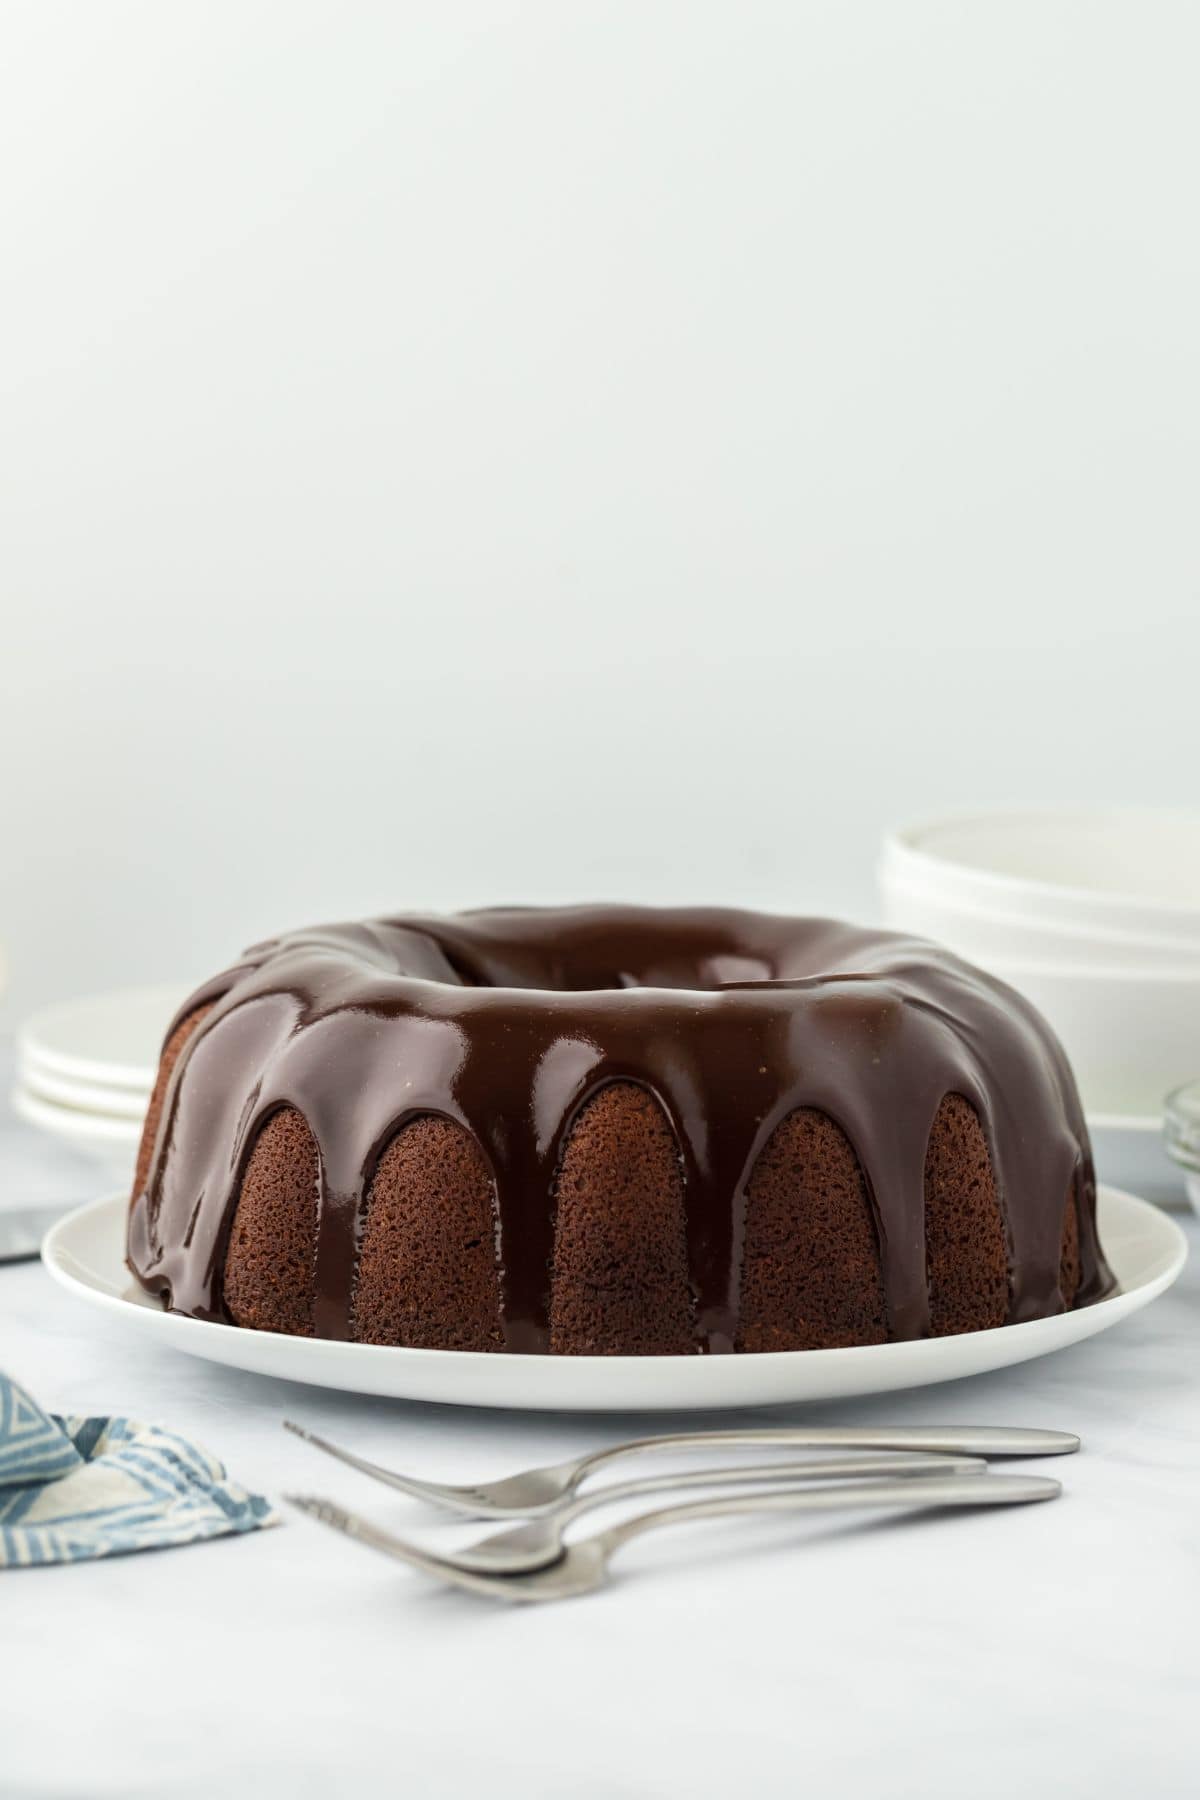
453 453
457 453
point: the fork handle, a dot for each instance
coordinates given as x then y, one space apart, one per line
855 1466
954 1440
915 1491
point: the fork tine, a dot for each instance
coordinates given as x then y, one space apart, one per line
431 1491
353 1525
316 1508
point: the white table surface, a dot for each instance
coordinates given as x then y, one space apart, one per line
1049 1650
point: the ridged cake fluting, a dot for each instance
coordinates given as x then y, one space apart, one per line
613 1130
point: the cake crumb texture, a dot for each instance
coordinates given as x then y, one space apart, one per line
427 1272
272 1245
966 1249
811 1276
620 1282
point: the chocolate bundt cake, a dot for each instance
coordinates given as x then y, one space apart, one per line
613 1130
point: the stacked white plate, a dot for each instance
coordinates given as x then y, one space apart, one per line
85 1069
1095 917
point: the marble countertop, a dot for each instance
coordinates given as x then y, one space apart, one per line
1049 1650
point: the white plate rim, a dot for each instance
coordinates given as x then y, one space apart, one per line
1110 943
72 1122
615 1383
86 1097
164 997
906 846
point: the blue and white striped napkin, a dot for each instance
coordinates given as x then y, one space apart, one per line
71 1489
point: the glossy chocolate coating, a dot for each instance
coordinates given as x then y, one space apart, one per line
508 1021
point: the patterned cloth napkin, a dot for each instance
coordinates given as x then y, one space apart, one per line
71 1489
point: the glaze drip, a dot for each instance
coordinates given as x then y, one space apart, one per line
509 1021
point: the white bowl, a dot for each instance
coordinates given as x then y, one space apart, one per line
1133 872
1131 1035
979 933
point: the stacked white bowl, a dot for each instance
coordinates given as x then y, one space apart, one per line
1095 916
85 1069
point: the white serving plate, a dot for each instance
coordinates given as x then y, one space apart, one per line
85 1253
1132 871
84 1096
111 1040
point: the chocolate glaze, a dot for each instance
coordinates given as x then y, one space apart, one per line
508 1021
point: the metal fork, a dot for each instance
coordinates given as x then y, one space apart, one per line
584 1566
541 1541
537 1491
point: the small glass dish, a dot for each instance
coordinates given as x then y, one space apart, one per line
1181 1129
